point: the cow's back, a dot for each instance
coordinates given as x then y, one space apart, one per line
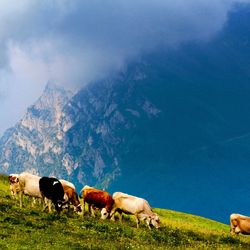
67 183
51 188
129 204
98 198
29 184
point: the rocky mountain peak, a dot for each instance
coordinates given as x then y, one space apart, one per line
36 139
53 96
47 111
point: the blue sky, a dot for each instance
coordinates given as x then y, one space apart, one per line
75 42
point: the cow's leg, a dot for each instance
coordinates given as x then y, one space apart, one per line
68 207
232 232
49 205
67 201
112 214
137 220
13 194
45 207
92 210
45 203
120 215
33 202
147 220
21 199
83 206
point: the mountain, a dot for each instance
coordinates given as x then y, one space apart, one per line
76 137
173 127
195 156
35 142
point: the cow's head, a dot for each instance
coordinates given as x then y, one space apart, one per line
154 221
13 179
104 214
60 205
78 208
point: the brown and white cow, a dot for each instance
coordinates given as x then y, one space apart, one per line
128 204
97 199
239 224
70 195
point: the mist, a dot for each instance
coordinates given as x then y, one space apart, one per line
73 43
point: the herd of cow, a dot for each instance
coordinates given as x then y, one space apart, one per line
62 194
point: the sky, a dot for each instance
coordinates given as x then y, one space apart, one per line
73 43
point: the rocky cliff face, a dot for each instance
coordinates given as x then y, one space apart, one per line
77 137
35 143
99 119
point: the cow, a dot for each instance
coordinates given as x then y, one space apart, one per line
70 195
25 184
139 207
52 189
239 224
97 199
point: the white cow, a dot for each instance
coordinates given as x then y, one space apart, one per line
27 184
128 204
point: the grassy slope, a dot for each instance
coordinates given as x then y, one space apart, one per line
30 228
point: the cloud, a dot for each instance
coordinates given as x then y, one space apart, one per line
81 40
75 42
93 37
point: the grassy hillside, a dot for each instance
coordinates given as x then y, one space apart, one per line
30 228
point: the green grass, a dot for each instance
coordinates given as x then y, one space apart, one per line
30 228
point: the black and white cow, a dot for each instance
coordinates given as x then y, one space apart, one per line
52 189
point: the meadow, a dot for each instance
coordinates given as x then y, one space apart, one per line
31 228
